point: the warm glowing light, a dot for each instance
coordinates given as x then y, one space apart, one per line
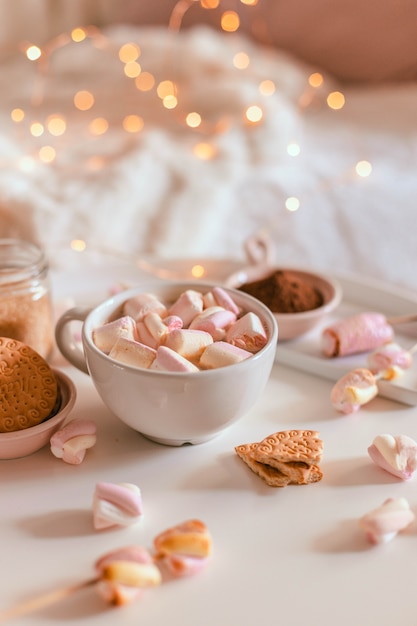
193 120
292 204
78 34
250 3
293 149
36 129
98 126
17 115
47 154
83 100
267 87
145 81
204 151
170 102
165 88
315 80
197 271
336 100
254 114
129 52
33 53
230 21
363 168
132 69
209 4
133 123
241 60
78 245
56 125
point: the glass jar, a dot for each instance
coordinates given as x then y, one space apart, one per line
25 303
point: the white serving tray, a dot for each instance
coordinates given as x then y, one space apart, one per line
359 295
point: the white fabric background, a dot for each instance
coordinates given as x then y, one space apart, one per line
153 196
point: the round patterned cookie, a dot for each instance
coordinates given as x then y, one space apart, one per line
28 387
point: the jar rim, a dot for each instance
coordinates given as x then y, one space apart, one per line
20 260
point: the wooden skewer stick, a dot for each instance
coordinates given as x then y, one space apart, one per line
402 319
44 600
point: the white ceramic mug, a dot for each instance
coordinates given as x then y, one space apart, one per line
169 407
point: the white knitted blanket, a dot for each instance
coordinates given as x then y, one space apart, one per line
149 193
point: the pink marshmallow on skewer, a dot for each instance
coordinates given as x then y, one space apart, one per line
125 573
359 333
184 549
353 390
388 356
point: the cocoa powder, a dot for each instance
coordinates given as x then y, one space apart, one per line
284 292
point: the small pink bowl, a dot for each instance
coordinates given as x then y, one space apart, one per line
292 325
21 443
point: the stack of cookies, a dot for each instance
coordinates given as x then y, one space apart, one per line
285 457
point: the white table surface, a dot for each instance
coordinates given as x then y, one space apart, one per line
293 555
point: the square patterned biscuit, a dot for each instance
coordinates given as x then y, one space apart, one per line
285 457
289 446
272 476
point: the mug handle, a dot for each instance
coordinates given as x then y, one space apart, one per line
65 339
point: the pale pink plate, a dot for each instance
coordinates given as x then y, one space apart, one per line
21 443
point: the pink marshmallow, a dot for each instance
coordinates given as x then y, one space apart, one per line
214 320
187 306
110 568
142 304
221 353
188 343
353 390
132 353
116 505
395 454
388 356
385 522
145 337
223 299
168 360
248 333
71 442
105 336
180 565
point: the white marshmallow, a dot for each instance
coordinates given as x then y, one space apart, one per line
142 304
105 336
116 505
188 343
132 353
220 354
187 306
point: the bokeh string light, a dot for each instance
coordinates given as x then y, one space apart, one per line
46 134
